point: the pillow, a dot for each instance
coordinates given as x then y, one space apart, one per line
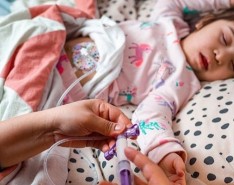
117 10
205 126
123 10
144 9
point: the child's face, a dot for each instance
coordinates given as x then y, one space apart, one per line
210 51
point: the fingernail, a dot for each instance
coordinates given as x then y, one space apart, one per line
118 127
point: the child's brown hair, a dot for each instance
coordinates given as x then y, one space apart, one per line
213 16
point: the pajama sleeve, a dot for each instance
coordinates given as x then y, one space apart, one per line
176 9
155 114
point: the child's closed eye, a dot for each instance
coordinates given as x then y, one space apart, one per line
227 36
224 40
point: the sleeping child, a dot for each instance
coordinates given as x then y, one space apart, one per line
156 65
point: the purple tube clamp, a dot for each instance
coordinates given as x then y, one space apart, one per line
130 132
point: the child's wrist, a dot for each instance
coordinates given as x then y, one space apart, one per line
182 154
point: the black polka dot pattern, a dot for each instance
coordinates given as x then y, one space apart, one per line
207 140
123 10
206 126
117 10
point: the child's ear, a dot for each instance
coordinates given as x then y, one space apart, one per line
204 21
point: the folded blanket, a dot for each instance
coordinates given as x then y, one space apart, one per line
88 6
31 43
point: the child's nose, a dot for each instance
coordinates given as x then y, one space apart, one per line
217 56
223 56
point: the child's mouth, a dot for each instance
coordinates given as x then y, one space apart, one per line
204 62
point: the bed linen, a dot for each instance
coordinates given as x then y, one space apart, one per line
204 125
5 7
31 43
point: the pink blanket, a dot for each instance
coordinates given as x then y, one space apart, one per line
31 44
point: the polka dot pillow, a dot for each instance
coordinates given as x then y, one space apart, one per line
206 128
122 10
118 10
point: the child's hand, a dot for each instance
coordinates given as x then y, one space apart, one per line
174 167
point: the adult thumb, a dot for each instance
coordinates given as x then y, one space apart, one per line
108 128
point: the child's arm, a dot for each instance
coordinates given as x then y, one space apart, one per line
168 8
180 9
157 140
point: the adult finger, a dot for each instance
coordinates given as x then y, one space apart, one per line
107 183
139 181
153 174
113 113
110 121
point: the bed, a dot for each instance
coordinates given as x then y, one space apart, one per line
204 125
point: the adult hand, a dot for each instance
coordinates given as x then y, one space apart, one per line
153 174
24 136
89 118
